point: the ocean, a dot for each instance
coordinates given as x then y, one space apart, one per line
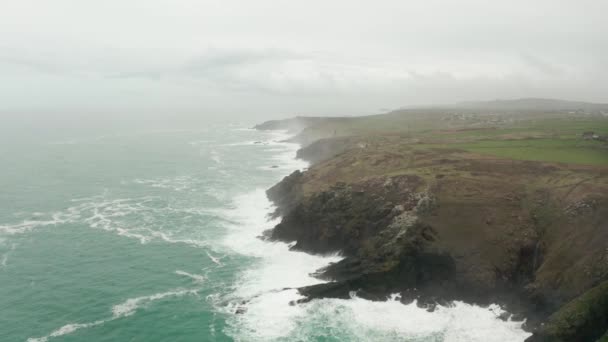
153 235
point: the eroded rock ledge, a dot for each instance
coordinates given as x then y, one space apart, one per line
442 225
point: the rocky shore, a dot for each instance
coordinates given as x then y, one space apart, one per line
438 225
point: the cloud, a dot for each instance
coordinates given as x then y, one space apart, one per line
541 65
316 57
28 63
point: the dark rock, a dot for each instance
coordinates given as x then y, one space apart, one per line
286 193
582 319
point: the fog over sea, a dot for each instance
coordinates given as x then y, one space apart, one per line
152 235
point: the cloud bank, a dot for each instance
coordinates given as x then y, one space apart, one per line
283 58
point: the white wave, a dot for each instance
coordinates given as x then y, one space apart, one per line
102 218
216 260
357 319
134 218
69 215
190 242
106 215
199 278
103 215
268 311
64 330
124 309
130 306
96 213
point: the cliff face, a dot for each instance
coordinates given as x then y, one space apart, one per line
442 225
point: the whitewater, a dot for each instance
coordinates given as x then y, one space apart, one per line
155 236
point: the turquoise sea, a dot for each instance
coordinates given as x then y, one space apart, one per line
152 235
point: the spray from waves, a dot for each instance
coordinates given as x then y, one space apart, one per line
261 306
124 309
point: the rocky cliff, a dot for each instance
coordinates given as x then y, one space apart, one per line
440 224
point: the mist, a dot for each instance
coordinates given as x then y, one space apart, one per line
198 61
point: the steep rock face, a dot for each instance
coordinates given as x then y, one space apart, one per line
344 217
398 234
287 193
406 261
443 225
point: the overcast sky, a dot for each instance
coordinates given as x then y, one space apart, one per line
280 58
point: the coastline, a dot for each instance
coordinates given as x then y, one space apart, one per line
260 303
294 306
442 225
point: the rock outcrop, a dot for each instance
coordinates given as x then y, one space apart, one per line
582 319
441 225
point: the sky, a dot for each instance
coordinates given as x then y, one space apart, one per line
242 58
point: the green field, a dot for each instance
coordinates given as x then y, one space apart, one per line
550 140
551 137
575 151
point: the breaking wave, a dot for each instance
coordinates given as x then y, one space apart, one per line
124 309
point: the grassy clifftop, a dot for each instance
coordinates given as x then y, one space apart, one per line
553 135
